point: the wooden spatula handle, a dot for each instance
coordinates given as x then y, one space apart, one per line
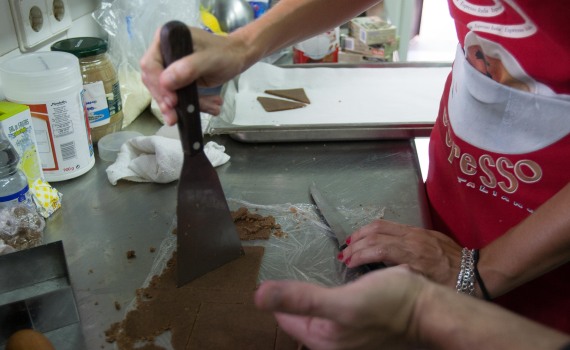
175 43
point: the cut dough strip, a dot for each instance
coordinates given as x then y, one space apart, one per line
275 104
298 95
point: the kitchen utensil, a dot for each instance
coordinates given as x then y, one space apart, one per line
231 14
331 216
339 227
206 234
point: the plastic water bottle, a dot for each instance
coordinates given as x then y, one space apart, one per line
13 182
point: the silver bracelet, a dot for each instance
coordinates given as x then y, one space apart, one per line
466 277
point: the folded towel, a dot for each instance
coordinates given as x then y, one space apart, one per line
156 159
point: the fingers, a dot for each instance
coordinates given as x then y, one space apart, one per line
163 83
379 227
372 243
152 67
297 298
374 249
211 104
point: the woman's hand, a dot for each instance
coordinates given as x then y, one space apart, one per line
374 312
394 308
216 59
427 252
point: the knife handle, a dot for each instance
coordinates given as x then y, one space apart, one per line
176 43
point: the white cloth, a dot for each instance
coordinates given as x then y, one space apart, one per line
156 159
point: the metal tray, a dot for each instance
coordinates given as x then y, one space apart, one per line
36 293
223 125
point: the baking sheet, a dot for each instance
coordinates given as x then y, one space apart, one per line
347 102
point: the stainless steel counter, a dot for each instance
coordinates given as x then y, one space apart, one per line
98 223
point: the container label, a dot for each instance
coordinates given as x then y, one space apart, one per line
96 104
64 144
20 132
23 196
259 7
114 99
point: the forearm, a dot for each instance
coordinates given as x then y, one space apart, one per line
444 319
535 246
291 21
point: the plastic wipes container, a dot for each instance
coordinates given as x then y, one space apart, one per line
110 145
50 84
102 90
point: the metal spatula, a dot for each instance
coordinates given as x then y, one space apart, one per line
207 237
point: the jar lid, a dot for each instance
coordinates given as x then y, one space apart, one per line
82 46
40 76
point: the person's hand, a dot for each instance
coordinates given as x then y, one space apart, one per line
427 252
210 104
374 312
216 59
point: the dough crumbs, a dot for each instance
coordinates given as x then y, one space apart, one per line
215 311
252 226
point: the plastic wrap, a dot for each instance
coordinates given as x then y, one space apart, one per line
306 252
21 227
131 25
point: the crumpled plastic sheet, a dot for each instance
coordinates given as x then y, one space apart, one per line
307 252
21 227
130 26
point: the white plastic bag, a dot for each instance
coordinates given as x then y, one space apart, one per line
131 25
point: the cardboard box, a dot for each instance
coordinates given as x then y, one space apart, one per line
16 121
353 57
385 50
372 30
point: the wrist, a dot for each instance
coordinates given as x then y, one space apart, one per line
243 47
480 286
432 320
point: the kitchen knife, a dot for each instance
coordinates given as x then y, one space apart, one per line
331 216
339 227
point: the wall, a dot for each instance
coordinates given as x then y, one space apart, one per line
83 25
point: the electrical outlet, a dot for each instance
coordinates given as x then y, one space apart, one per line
59 16
30 21
8 40
36 21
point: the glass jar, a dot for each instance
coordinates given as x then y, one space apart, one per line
102 94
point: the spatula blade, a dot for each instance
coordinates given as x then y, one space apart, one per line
206 235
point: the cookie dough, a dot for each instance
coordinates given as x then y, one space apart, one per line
275 104
252 226
298 95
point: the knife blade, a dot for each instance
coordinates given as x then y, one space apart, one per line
331 216
339 227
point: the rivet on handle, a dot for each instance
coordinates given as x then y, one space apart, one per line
190 108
